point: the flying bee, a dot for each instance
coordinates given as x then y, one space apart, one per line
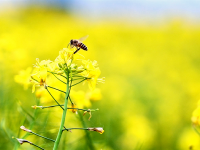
78 44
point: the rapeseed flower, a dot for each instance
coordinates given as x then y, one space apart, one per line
66 56
39 79
91 73
61 74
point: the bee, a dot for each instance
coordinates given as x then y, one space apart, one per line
78 44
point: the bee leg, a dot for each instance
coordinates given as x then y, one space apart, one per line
77 50
71 46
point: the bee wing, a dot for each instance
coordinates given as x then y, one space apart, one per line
83 38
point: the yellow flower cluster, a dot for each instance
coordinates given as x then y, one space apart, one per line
51 73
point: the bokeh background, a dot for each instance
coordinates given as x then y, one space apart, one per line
149 52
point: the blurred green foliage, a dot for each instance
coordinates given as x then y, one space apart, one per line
152 80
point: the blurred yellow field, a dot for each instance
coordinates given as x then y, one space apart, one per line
151 83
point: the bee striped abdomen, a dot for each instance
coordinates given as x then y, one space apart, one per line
82 46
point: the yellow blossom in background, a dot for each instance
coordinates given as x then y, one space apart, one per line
196 115
137 129
188 140
94 95
24 77
80 99
43 95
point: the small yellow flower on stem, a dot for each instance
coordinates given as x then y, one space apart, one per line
66 56
91 73
99 129
42 64
39 79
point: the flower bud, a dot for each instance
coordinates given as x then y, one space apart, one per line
27 130
21 141
99 129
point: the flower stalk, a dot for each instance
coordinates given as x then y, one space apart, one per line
64 71
97 129
64 113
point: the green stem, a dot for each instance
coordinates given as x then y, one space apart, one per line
54 98
37 146
195 129
57 89
64 113
70 87
79 82
75 128
57 74
70 98
58 78
43 136
78 78
63 76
